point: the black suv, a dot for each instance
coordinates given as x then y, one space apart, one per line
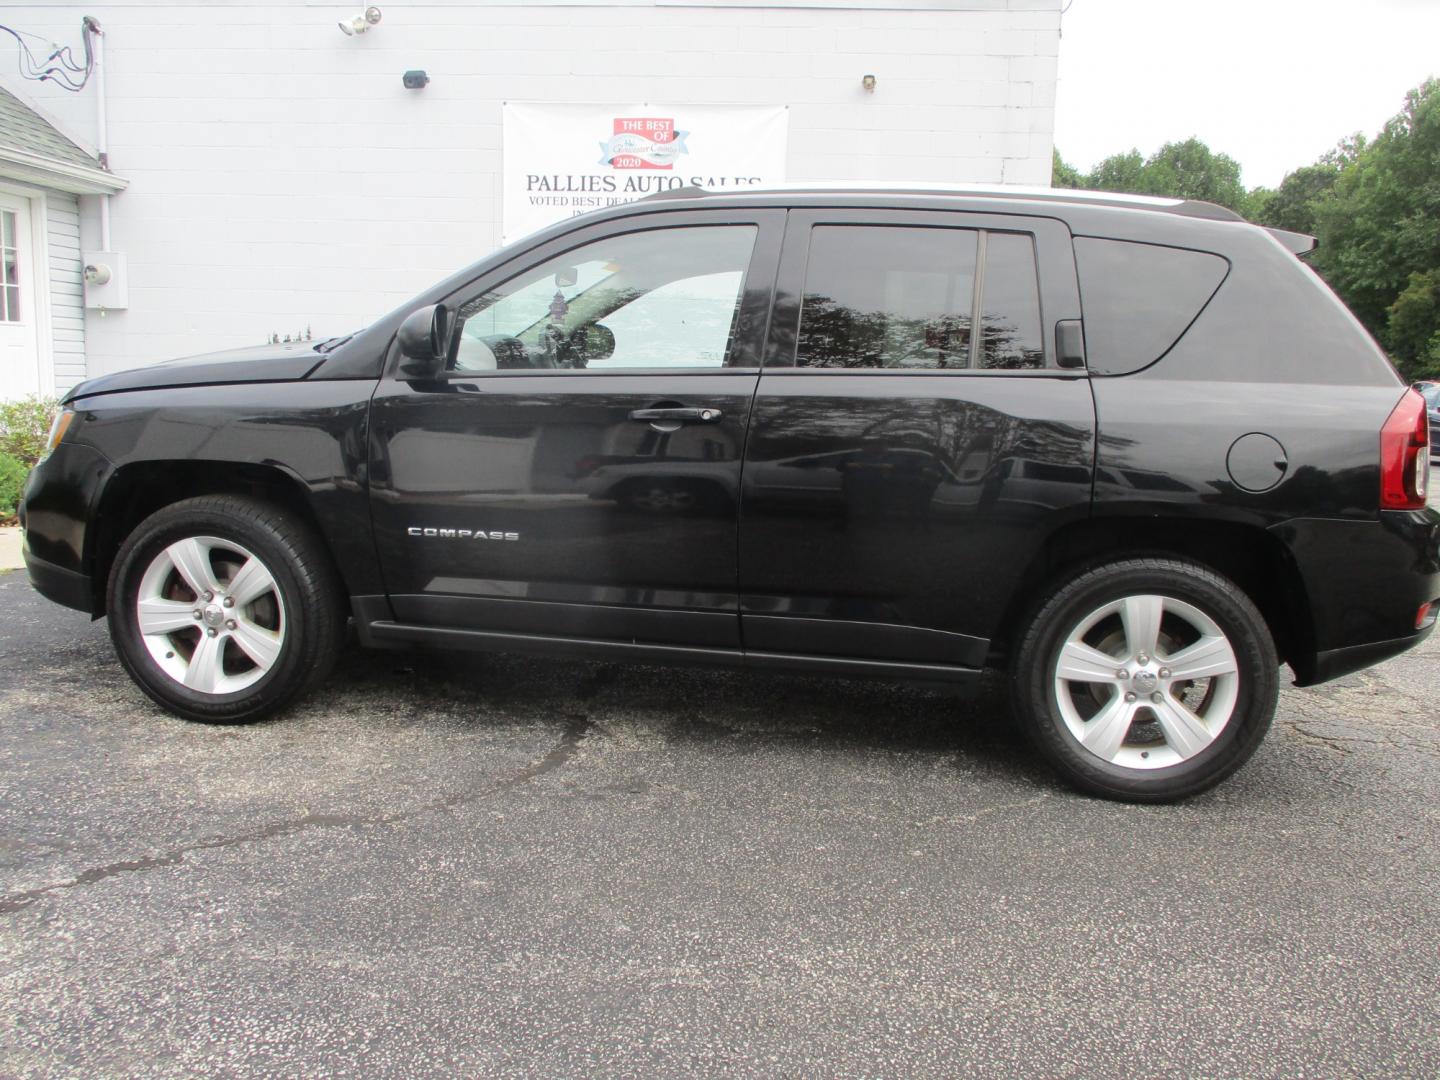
1131 450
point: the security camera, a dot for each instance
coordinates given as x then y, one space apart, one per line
360 23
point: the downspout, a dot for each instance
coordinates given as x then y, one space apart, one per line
102 142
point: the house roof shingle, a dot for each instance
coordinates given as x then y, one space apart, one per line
22 128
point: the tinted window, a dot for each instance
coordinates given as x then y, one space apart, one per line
881 296
662 298
888 297
1139 299
1010 303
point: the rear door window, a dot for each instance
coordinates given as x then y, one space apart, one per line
900 297
1139 299
1009 303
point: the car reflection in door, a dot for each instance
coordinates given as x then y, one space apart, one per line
688 471
893 473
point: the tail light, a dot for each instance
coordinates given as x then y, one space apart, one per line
1405 455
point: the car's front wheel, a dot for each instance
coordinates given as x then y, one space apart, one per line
224 608
1146 679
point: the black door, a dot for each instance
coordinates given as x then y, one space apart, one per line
913 439
576 471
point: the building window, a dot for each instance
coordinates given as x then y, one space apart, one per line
10 268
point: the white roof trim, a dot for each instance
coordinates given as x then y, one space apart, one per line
59 175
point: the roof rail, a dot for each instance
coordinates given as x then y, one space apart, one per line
1187 207
688 191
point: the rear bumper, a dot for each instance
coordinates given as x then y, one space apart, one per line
1337 662
1365 582
67 587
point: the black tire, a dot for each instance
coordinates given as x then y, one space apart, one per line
1035 697
304 581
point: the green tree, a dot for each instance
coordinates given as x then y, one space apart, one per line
1191 170
1413 326
1379 227
25 426
1346 152
1119 172
1179 170
1256 204
12 485
1293 204
1063 175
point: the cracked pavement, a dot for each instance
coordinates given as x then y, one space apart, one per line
507 866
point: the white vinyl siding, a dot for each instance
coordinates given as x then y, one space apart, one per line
67 299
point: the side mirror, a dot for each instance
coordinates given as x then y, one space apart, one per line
424 339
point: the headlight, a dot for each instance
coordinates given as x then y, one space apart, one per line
58 427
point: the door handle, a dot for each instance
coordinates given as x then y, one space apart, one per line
677 415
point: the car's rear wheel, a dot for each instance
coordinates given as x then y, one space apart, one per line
223 608
1146 679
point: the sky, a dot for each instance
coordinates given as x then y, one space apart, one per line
1272 83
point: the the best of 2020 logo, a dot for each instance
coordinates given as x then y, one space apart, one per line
643 142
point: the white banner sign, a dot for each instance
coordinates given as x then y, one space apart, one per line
562 160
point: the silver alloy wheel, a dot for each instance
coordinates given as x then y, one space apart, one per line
211 615
1146 681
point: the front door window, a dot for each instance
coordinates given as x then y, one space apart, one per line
666 298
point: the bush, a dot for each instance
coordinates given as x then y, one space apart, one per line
12 482
24 426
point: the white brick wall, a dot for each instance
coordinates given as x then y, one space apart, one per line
281 176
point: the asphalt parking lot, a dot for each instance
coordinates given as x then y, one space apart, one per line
509 866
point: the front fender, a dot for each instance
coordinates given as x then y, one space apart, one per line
56 512
165 445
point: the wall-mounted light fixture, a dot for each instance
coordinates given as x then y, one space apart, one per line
360 23
415 80
868 82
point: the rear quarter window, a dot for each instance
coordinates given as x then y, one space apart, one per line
1139 299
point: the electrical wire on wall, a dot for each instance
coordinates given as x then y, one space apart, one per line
60 66
1063 10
